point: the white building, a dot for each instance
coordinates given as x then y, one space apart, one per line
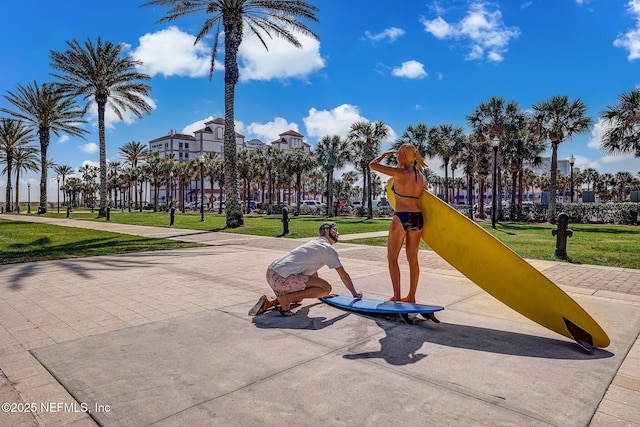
211 139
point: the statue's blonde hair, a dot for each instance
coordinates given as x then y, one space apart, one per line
413 155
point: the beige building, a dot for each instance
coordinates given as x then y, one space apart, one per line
211 139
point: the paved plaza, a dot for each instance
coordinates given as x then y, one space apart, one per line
163 339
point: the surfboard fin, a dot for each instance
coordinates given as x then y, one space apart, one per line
582 337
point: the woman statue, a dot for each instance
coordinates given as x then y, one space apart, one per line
407 222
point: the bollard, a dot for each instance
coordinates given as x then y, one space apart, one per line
172 216
68 211
108 213
285 221
562 232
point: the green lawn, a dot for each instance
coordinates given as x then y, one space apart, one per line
27 242
616 246
609 245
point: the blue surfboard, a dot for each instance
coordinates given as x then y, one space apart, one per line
376 306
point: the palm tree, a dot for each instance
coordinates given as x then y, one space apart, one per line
98 73
216 173
624 134
26 159
445 141
589 176
133 152
14 134
153 171
262 18
623 181
367 138
298 162
332 152
63 171
558 119
47 109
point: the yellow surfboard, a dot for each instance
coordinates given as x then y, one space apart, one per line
502 273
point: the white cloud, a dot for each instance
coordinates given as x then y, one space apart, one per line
282 61
320 123
596 134
438 27
197 125
63 139
331 122
410 69
391 33
89 147
631 39
172 52
111 118
481 27
270 131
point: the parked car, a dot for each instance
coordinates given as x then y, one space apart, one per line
216 204
313 203
191 205
383 206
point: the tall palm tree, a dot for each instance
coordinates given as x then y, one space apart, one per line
96 72
589 176
445 141
47 109
558 119
153 171
623 135
623 180
298 162
14 134
262 18
367 138
332 152
63 171
26 159
134 152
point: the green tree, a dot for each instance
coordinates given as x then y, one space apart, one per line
14 135
97 72
46 108
367 138
298 162
26 159
133 152
444 142
262 18
558 119
623 135
63 171
332 152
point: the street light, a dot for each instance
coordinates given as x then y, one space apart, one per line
495 143
58 179
28 197
572 160
201 160
171 189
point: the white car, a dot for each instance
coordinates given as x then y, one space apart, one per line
313 203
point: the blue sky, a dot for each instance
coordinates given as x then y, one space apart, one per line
403 63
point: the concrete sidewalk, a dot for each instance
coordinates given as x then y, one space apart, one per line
163 338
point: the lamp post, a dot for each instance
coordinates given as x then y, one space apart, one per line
28 197
572 160
201 160
170 189
58 179
495 143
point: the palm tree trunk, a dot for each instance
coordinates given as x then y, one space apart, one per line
102 212
7 196
553 182
44 144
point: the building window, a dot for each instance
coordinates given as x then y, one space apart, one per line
186 145
219 132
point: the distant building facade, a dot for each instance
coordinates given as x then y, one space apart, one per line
209 139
